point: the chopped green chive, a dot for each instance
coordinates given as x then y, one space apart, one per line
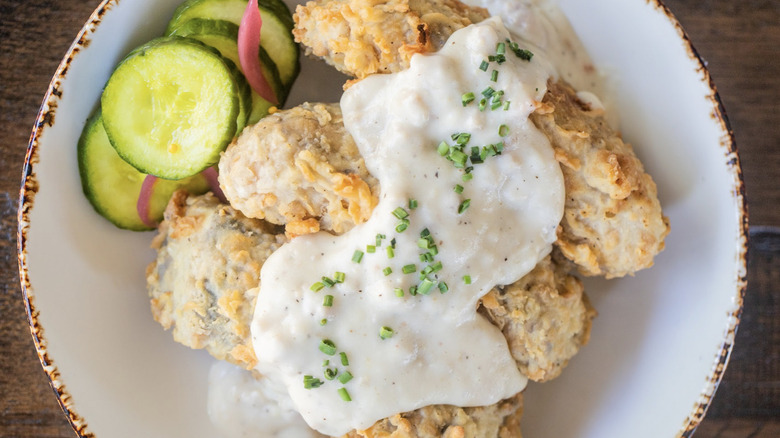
459 158
523 54
323 321
328 347
487 92
458 188
467 177
494 75
402 227
500 59
433 250
506 106
412 204
484 66
503 130
386 332
425 286
427 270
400 213
345 377
482 104
443 287
437 266
370 249
310 382
357 256
331 373
499 147
344 394
344 359
443 148
408 269
327 301
379 239
316 287
328 282
390 252
398 292
500 48
426 257
467 98
413 290
325 362
463 206
387 271
423 243
339 277
467 279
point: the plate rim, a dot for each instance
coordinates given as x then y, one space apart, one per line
46 114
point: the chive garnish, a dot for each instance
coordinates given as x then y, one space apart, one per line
400 213
344 359
390 252
426 257
386 332
387 271
331 373
506 106
412 204
482 104
328 347
413 290
458 188
323 321
344 394
398 292
467 98
463 206
487 92
433 250
370 249
328 282
494 75
437 266
327 301
425 286
316 287
423 243
402 227
339 277
392 242
500 48
467 177
443 148
467 279
310 382
357 256
503 130
345 377
443 287
325 363
484 66
499 147
408 269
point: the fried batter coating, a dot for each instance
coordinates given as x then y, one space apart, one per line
300 168
545 316
201 284
612 223
363 37
501 420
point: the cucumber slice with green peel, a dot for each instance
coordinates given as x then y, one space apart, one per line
112 186
222 35
275 36
171 107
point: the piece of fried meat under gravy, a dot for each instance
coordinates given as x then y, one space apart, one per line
299 168
363 37
613 224
208 260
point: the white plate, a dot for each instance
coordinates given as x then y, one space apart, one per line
658 347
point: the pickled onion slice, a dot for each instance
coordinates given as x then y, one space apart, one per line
248 49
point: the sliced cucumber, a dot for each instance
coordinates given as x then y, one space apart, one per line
171 107
222 35
112 186
275 36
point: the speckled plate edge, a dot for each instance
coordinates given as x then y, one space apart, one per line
46 115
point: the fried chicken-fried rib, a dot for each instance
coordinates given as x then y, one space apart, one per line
501 420
363 37
612 224
201 284
300 168
545 316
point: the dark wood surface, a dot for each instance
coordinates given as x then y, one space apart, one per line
739 39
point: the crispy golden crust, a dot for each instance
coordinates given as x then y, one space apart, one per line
363 37
300 168
208 262
613 224
545 316
501 420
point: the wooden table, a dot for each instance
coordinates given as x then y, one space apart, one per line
740 40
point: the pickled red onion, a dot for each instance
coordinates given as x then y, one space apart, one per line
211 176
248 50
144 198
